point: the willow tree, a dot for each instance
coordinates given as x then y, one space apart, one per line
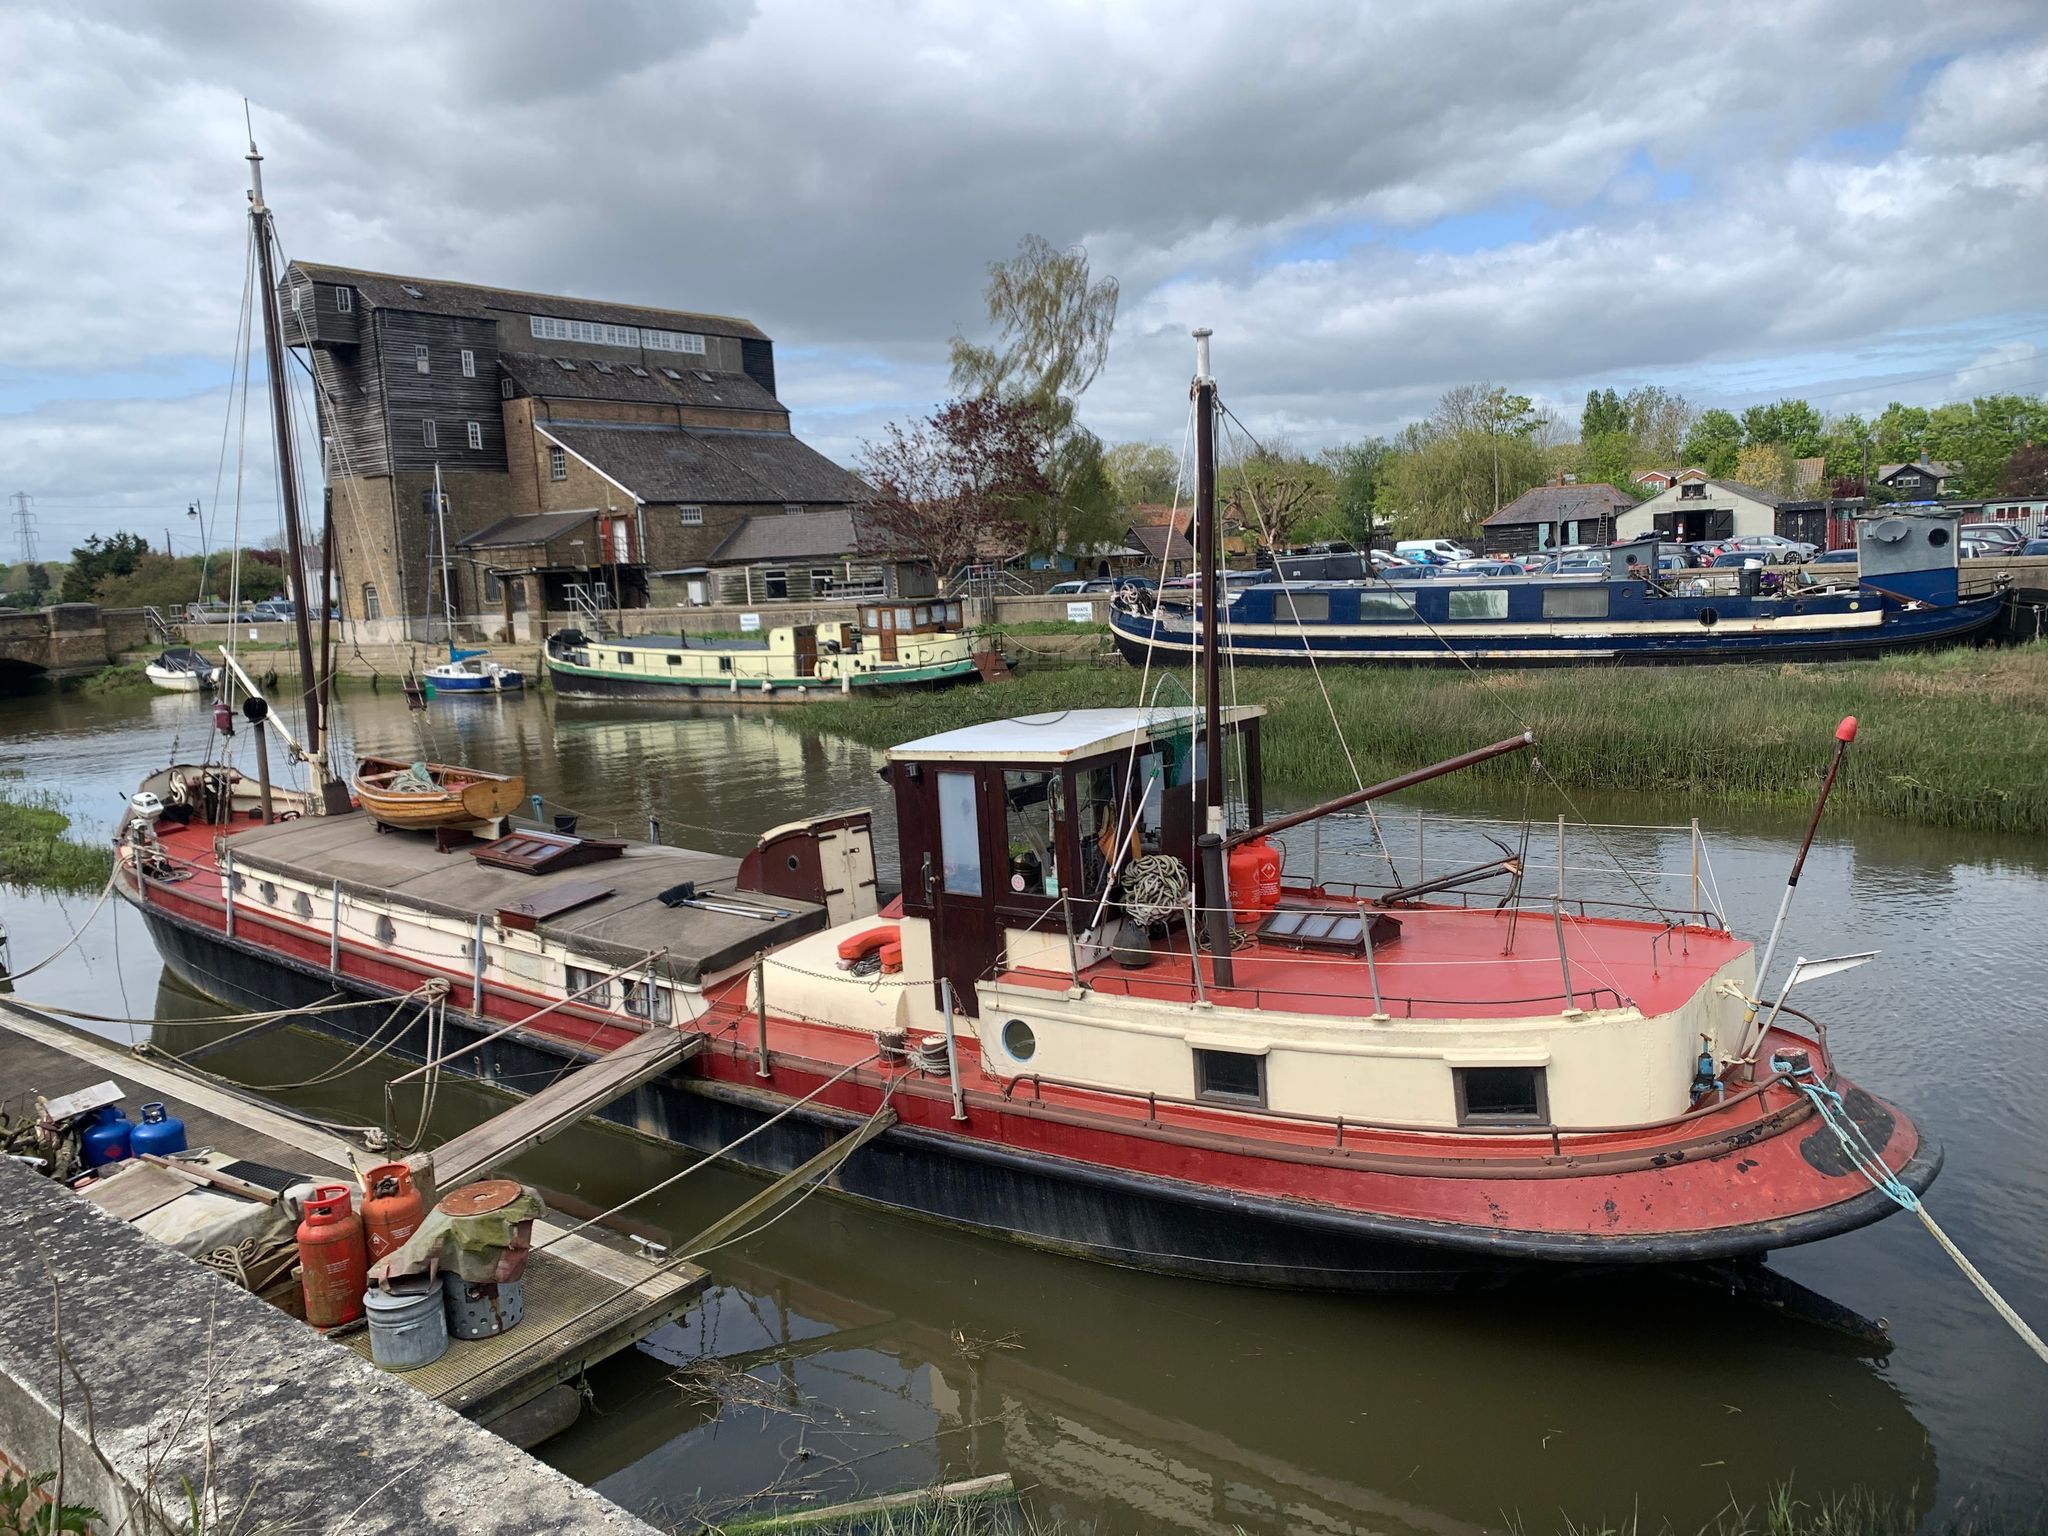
1052 320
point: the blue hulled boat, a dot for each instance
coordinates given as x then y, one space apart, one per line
466 672
1906 592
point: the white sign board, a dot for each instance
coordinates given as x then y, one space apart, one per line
1080 613
750 622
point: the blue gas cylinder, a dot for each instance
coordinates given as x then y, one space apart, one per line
106 1139
157 1131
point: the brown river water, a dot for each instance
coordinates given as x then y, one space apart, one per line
860 1352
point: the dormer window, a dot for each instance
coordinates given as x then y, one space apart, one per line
344 300
670 373
410 291
1692 490
636 370
602 367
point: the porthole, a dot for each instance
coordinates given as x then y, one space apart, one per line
1018 1039
269 892
302 904
1937 537
387 931
792 861
1709 618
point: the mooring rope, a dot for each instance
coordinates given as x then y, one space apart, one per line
1857 1148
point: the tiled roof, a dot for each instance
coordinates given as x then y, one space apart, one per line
791 536
706 464
1160 542
527 528
1938 468
1561 503
434 296
537 373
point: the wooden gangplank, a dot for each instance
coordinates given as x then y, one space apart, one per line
560 1105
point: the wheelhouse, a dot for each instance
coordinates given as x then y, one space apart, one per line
1009 830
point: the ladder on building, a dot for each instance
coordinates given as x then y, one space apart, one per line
160 628
589 604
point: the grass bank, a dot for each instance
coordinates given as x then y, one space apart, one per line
1954 738
35 851
116 679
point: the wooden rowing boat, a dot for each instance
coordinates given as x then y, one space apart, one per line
421 796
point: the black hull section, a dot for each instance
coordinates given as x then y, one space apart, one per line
1131 1220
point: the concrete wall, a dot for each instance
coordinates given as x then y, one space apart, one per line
191 1378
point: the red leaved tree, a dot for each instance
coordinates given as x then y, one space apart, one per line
2026 472
956 486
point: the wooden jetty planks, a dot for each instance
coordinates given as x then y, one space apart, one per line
560 1105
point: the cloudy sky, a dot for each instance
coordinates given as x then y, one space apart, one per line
1845 199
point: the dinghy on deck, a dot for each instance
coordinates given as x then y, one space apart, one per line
421 796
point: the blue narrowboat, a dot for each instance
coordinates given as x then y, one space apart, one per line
1906 592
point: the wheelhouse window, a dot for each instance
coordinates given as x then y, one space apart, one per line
1231 1077
1575 603
1095 818
1031 831
1308 607
1501 1095
1467 604
959 833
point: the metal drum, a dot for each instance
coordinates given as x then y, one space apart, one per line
478 1311
408 1324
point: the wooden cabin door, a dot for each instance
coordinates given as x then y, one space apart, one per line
886 633
805 638
967 937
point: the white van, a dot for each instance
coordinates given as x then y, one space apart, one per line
1433 551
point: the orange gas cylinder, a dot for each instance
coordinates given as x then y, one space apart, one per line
332 1258
1254 874
392 1209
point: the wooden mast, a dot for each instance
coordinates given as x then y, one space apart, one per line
1215 895
333 795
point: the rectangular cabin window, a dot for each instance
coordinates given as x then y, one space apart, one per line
578 977
1307 607
775 585
1097 813
1501 1095
648 1000
625 658
1385 605
468 363
1231 1077
429 438
903 618
1478 605
822 578
1575 603
344 300
1031 832
690 517
558 464
960 833
476 434
420 358
924 617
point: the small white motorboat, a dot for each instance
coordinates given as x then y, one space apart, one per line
182 670
467 672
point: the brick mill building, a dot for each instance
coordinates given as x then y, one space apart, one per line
581 445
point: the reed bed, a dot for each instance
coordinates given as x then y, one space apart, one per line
1954 738
35 851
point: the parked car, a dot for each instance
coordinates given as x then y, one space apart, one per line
1414 570
1384 560
1066 589
1737 558
1229 579
1436 551
2004 533
1775 548
1836 557
1486 568
2035 547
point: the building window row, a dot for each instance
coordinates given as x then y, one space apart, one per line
476 434
420 359
549 328
473 433
344 300
429 436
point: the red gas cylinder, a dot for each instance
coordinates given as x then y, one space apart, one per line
332 1259
392 1209
1254 873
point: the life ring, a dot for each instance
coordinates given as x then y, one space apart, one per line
859 946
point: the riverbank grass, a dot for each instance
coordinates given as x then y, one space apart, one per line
1954 738
35 851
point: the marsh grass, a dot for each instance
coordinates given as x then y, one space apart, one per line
1955 738
35 851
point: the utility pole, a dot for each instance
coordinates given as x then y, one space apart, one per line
25 526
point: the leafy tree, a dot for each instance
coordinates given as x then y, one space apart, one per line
1848 444
1608 457
959 485
1142 472
1053 322
1356 471
2025 472
1713 443
1981 436
1658 420
1279 497
116 555
1900 431
1478 450
1767 466
1604 413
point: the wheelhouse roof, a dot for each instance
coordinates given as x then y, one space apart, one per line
1059 737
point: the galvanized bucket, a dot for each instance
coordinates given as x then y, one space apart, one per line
480 1311
408 1324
